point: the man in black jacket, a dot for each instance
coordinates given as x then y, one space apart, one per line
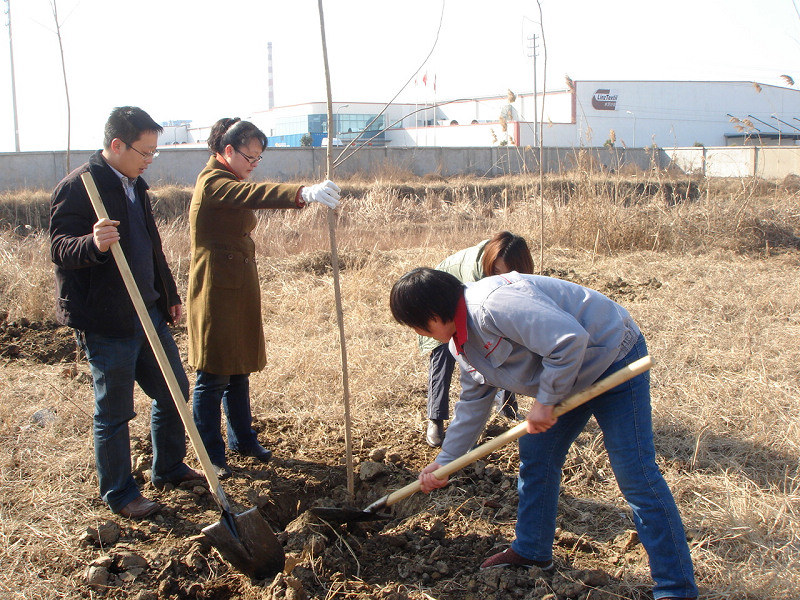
91 298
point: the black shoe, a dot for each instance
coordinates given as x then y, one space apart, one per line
511 412
259 452
189 475
434 436
222 471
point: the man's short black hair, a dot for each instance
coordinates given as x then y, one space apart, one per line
128 123
422 294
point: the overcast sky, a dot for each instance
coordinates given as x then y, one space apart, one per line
203 59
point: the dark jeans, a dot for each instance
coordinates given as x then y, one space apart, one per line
624 416
233 393
440 374
116 363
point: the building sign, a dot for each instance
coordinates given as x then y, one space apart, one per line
605 100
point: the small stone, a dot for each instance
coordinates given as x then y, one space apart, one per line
43 417
102 561
437 530
377 454
97 576
131 560
394 458
593 578
106 534
371 470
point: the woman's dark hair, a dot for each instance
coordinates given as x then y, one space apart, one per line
235 132
424 293
514 251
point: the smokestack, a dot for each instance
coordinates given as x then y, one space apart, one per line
271 102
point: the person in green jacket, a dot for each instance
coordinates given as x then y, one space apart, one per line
503 253
226 336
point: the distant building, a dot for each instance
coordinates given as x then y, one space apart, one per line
176 132
631 114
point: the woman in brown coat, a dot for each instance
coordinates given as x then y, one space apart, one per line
226 338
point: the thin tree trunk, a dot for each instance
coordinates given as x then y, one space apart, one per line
64 73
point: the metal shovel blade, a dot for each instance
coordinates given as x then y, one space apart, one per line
347 515
248 543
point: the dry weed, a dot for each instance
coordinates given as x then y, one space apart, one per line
720 311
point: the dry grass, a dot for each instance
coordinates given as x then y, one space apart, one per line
713 279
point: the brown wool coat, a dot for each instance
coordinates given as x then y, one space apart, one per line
226 336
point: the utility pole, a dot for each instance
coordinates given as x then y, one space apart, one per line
532 48
13 85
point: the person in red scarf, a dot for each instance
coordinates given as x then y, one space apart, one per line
226 338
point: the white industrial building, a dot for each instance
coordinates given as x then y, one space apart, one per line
633 114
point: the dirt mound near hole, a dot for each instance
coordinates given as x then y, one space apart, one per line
41 341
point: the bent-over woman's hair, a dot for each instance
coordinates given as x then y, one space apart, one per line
235 132
512 249
424 293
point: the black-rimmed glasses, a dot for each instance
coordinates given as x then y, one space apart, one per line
253 160
144 155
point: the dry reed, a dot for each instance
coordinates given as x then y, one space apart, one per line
710 272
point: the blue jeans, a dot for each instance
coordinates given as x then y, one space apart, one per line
233 392
440 375
624 416
116 363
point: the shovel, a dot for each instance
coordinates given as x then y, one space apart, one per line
347 515
245 540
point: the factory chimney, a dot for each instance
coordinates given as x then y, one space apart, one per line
271 103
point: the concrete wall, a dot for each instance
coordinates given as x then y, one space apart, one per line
180 164
769 162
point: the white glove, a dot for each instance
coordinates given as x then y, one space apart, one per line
326 193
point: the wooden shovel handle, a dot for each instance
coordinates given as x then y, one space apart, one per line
624 374
158 349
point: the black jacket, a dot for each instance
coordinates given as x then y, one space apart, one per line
90 292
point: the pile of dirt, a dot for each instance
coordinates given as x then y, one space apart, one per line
430 546
42 341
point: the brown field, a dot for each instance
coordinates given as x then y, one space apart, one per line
710 270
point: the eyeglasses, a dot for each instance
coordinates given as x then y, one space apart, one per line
144 155
252 160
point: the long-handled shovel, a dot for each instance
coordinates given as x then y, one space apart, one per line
346 515
245 540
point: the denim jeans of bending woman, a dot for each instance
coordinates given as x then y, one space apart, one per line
116 364
624 417
232 393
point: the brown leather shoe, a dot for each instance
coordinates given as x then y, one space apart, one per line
509 558
139 508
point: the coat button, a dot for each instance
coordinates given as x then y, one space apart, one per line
246 260
230 256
